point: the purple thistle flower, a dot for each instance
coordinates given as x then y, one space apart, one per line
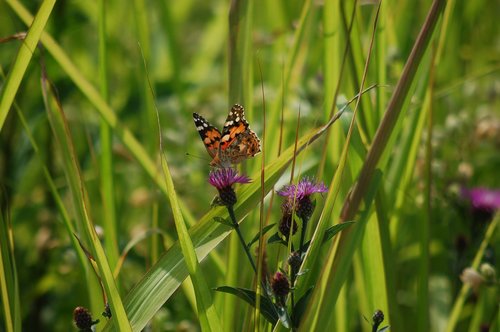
226 177
305 187
223 179
299 196
483 198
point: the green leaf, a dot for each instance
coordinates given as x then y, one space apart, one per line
300 307
284 317
257 236
331 231
276 238
267 308
223 221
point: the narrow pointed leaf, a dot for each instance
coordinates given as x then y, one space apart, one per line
264 231
276 238
267 308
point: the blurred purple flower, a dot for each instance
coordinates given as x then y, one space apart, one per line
482 198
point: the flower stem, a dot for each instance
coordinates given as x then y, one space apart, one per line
236 226
302 235
267 292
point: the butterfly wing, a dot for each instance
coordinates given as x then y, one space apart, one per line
238 141
209 134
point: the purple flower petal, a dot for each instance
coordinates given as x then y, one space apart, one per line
287 191
307 187
483 198
226 177
304 188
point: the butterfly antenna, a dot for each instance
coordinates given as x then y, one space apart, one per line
197 157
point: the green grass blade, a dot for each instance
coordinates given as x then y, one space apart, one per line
124 134
96 99
50 182
294 62
341 255
240 58
70 230
9 290
207 314
23 58
240 90
81 203
394 108
211 45
106 157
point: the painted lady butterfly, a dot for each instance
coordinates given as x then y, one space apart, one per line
236 143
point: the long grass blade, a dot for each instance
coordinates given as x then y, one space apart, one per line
23 58
207 314
9 283
106 156
341 254
81 203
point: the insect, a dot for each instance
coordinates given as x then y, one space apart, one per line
236 143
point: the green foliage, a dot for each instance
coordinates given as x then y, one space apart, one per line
92 213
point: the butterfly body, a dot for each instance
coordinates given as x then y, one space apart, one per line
234 144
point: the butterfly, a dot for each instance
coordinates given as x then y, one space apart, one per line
236 143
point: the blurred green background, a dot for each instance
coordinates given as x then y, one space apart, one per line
198 60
